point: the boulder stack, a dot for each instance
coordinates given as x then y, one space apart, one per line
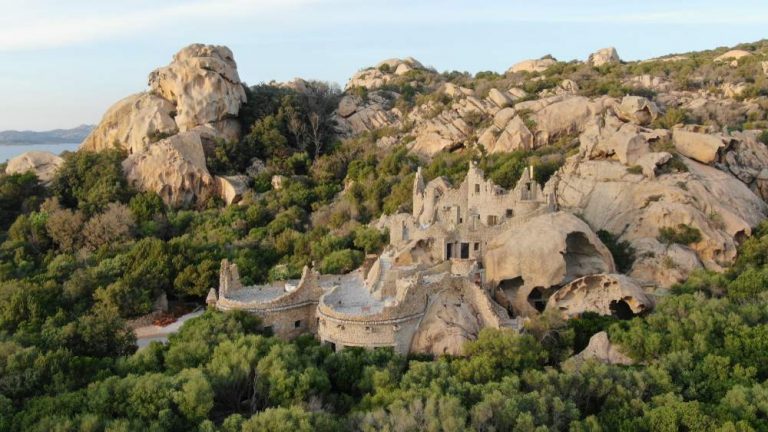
190 103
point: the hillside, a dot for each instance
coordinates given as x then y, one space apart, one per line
55 136
565 245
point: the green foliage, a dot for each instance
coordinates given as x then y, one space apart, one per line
69 274
763 137
19 193
681 234
341 261
89 181
622 251
671 117
146 205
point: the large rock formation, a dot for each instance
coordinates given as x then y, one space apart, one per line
513 260
133 124
603 56
448 323
357 115
43 164
535 66
174 168
197 96
637 109
605 294
383 72
599 185
700 147
203 84
732 55
601 349
562 115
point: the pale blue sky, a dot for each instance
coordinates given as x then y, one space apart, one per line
63 63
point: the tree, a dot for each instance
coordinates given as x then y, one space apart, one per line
19 193
65 227
195 397
115 224
293 419
318 102
89 180
146 205
341 261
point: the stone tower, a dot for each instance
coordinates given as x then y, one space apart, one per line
229 278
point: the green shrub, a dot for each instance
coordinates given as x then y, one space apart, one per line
635 169
763 137
670 118
622 251
681 234
341 261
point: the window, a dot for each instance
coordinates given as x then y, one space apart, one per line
510 213
464 250
477 246
492 220
449 251
477 188
297 324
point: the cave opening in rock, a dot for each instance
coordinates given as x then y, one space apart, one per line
538 299
510 286
509 289
581 257
621 310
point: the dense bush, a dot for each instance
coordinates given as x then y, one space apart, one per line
681 234
622 251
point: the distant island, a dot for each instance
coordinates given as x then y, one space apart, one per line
55 136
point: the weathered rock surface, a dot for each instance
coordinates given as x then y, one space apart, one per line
203 84
200 87
605 294
513 260
603 56
558 116
536 66
174 168
382 73
732 55
637 109
747 159
701 147
448 323
133 124
356 115
43 164
194 100
636 206
512 136
602 350
231 188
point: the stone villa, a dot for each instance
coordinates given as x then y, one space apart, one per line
428 291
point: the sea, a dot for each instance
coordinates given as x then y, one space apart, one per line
8 151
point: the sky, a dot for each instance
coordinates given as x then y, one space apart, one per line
63 63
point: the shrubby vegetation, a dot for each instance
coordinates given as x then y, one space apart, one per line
67 361
79 258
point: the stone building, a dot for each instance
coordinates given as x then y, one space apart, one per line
431 289
458 222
